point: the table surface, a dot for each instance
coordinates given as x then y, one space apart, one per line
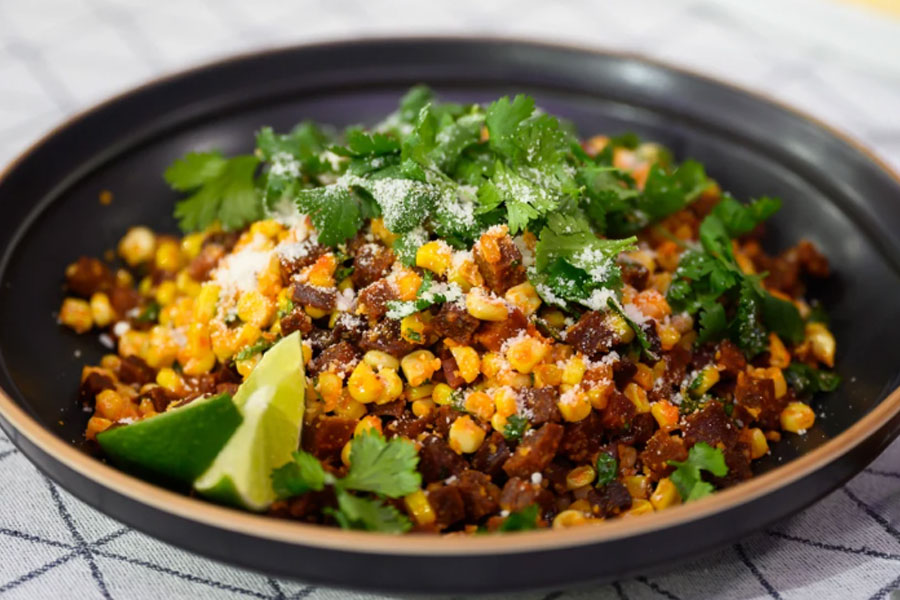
837 61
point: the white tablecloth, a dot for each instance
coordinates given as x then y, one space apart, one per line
841 62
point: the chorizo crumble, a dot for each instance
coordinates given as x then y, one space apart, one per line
515 328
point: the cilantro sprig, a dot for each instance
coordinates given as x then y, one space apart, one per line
427 295
382 468
687 475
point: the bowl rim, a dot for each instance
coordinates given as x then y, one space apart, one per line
310 535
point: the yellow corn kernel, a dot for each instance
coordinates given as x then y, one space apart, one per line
145 287
192 243
124 278
315 313
419 392
640 507
465 435
419 508
644 376
665 494
574 370
348 408
253 307
345 284
442 394
170 380
329 386
525 353
269 228
554 317
110 362
797 417
113 406
367 423
422 407
434 256
492 364
759 446
412 328
205 303
619 326
383 233
777 377
821 343
345 453
76 314
137 246
185 284
484 307
146 408
525 297
204 359
467 361
168 255
778 354
101 310
381 360
569 518
244 367
481 405
499 421
638 486
248 334
574 406
162 349
666 414
661 282
96 425
307 353
321 273
464 272
408 284
599 393
514 380
165 293
133 343
419 366
364 385
708 377
547 375
393 385
505 402
580 477
638 397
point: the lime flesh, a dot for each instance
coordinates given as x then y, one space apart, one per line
175 446
271 403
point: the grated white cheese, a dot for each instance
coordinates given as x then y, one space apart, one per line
634 313
120 328
536 478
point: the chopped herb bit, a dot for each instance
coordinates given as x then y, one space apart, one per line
150 313
428 294
607 469
253 349
807 380
521 520
687 476
515 427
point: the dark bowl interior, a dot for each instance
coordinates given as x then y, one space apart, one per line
833 194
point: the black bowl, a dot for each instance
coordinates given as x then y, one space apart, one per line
835 194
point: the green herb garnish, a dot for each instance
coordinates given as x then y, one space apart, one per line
687 476
521 520
607 469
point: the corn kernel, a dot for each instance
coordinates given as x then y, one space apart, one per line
348 408
434 256
420 392
367 423
499 421
599 393
465 435
192 243
101 310
161 349
638 486
364 385
759 446
492 364
393 386
418 506
383 233
525 297
137 246
777 377
547 375
481 405
505 402
110 362
569 518
168 255
321 273
111 405
644 376
708 377
330 387
773 436
269 228
419 366
165 293
412 328
133 343
640 507
574 406
523 355
422 407
96 425
464 272
408 284
665 494
76 314
619 326
653 304
778 354
554 318
484 307
574 370
205 304
467 361
345 453
146 408
145 287
638 397
244 367
821 342
253 307
580 477
442 394
666 414
797 417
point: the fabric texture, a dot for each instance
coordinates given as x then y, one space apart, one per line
835 60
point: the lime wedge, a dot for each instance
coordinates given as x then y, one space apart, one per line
271 402
177 445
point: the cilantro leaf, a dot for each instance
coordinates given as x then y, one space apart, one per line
334 210
407 244
639 334
221 190
807 380
781 316
369 514
524 200
253 349
747 328
503 118
713 322
521 520
607 469
382 467
425 297
739 219
303 474
515 427
687 476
